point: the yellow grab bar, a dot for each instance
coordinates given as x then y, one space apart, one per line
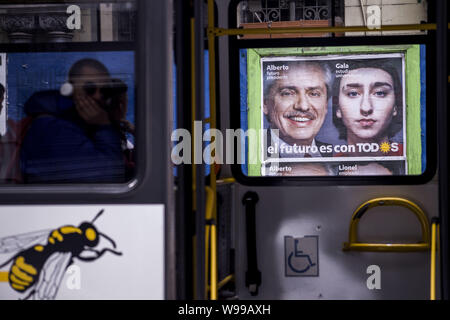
301 30
211 243
434 241
224 281
354 245
210 195
211 206
226 181
227 279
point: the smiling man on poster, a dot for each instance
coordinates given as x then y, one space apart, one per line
295 105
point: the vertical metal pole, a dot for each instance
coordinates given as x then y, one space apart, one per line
213 116
200 171
442 116
154 118
184 220
166 10
433 263
212 86
253 275
333 13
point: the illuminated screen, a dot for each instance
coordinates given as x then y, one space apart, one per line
333 111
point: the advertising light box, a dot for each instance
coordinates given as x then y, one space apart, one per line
333 111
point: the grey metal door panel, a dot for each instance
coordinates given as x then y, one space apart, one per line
326 212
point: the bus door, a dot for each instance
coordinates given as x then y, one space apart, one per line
336 103
85 189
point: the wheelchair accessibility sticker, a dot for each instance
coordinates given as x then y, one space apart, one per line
301 256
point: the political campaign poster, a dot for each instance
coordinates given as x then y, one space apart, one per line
334 114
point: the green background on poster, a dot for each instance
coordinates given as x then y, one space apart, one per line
412 82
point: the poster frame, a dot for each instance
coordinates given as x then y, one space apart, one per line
430 114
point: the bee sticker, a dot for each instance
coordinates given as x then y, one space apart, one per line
37 269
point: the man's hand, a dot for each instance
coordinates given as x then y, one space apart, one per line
90 111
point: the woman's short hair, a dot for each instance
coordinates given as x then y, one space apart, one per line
386 65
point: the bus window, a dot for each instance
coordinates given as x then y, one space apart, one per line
335 111
330 13
67 21
67 114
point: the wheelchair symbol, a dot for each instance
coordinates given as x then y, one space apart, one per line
299 254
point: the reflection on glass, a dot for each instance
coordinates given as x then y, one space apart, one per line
327 13
338 111
70 118
67 22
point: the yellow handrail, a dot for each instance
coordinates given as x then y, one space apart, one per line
211 243
209 203
434 240
226 181
211 209
226 280
302 30
4 276
214 274
354 245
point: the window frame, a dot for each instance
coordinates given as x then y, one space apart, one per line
110 188
431 121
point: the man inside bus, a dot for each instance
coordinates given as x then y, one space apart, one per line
296 104
75 137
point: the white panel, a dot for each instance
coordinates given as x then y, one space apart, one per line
138 231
